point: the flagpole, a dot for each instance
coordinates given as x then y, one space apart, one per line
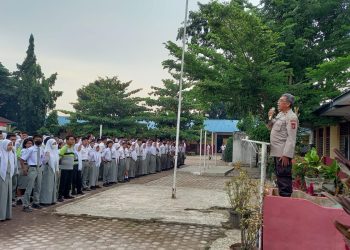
179 106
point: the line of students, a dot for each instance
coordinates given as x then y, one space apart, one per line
38 173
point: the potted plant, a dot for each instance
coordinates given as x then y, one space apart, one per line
330 174
244 196
313 170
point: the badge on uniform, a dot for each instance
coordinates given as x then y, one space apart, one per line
293 124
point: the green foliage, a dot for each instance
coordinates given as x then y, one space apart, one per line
331 172
317 45
8 108
231 59
228 151
254 127
107 101
165 108
34 93
51 123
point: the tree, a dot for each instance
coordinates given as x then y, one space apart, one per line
165 105
317 45
51 124
231 58
8 102
107 101
35 96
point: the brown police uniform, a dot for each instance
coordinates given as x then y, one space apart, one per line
283 138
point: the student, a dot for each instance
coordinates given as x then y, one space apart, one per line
133 160
86 167
67 161
95 162
13 138
115 163
22 177
7 169
153 158
48 193
163 155
34 157
107 162
77 169
122 165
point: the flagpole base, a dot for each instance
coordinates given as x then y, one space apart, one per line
173 195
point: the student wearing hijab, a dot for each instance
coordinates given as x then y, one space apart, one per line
7 169
48 192
22 178
95 162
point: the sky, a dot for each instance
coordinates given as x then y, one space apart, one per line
82 40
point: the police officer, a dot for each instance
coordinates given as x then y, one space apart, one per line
283 136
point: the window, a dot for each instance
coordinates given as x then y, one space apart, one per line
345 139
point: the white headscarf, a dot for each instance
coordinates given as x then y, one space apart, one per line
97 155
53 154
5 158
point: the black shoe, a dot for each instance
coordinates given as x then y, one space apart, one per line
74 192
60 199
36 206
44 204
87 189
53 203
105 184
19 202
93 188
27 209
97 186
69 197
81 193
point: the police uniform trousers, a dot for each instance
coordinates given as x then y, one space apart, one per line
153 164
86 171
132 168
34 184
159 167
48 191
284 177
121 170
113 171
6 196
106 173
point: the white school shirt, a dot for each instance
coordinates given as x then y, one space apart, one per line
153 150
162 149
84 152
121 153
30 155
107 154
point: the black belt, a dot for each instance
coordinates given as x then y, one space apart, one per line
34 166
85 160
113 158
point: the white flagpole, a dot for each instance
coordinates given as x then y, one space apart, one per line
179 106
200 152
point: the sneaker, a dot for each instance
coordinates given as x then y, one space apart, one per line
105 184
60 199
93 188
13 204
36 206
19 202
87 189
69 197
97 186
27 209
81 193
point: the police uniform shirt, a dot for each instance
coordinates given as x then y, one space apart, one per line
283 134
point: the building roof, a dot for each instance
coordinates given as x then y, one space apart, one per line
221 126
4 120
339 106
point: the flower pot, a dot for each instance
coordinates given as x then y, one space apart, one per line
329 185
317 183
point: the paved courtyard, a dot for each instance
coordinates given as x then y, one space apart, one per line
135 215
